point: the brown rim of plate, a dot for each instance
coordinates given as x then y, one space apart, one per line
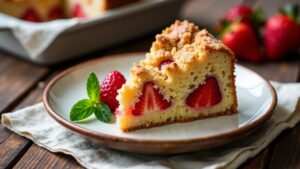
97 135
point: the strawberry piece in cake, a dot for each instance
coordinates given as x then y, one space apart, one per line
150 101
206 95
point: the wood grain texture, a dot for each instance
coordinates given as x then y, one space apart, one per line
37 157
278 71
13 146
17 77
11 149
286 152
258 162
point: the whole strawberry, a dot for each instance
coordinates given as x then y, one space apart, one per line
246 14
242 12
109 87
242 40
282 33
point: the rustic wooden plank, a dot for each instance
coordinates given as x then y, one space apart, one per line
286 152
278 71
3 133
13 146
260 161
11 149
17 77
52 160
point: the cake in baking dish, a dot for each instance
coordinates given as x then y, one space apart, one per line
187 75
46 10
33 10
91 8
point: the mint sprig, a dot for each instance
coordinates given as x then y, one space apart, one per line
86 107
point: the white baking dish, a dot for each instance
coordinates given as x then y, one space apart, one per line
96 33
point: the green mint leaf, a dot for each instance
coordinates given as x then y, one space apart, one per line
103 113
92 87
82 110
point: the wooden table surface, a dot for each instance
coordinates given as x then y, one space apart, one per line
22 84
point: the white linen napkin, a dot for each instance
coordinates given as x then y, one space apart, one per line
35 37
34 123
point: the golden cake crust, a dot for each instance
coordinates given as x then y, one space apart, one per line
187 38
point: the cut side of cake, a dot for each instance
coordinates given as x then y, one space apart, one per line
187 75
46 10
91 8
33 10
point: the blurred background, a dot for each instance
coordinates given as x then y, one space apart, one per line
50 32
207 13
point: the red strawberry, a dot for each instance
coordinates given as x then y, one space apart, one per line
282 34
150 100
55 13
165 62
242 40
78 11
206 95
242 12
109 87
31 16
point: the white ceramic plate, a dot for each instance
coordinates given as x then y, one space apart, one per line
256 101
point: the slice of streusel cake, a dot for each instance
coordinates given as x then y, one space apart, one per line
187 75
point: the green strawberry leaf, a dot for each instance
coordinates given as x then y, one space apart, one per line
103 113
291 10
225 26
92 87
257 17
82 110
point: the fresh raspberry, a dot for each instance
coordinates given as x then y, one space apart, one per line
109 87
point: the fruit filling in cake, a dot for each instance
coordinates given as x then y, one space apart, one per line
33 10
46 10
187 75
91 8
